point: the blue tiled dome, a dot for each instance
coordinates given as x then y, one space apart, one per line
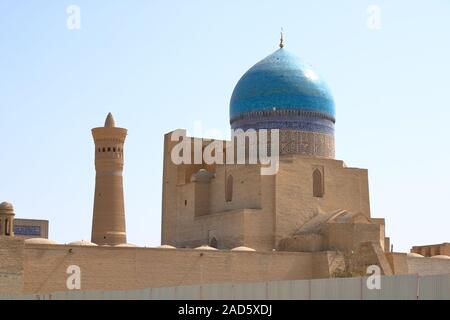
281 82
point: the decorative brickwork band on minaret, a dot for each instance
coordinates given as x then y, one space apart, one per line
108 223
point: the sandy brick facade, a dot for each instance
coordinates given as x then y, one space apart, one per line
43 267
264 208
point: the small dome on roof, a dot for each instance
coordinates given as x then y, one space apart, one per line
440 256
6 206
204 247
242 248
39 241
202 175
129 245
414 255
82 243
166 246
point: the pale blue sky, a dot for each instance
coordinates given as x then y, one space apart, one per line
162 65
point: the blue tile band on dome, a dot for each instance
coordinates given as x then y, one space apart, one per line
282 81
284 119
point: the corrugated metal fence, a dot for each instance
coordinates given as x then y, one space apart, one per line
405 287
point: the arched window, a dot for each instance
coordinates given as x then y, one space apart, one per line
109 149
229 189
7 231
114 149
104 149
213 242
318 189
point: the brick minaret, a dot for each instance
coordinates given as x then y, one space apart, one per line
108 223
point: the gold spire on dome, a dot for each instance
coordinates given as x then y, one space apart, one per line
110 123
281 39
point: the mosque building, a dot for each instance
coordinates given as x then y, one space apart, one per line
234 205
225 221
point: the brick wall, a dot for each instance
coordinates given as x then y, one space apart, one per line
428 266
11 265
110 268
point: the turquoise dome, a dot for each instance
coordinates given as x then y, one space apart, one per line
282 82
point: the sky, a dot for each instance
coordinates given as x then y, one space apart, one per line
162 65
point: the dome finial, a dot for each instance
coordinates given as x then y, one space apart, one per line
109 122
281 39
